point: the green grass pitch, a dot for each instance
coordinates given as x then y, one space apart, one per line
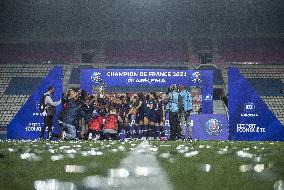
188 165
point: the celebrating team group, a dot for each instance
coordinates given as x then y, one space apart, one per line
108 116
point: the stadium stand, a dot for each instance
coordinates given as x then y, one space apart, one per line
41 52
267 87
146 52
202 44
90 44
219 107
28 84
252 50
177 67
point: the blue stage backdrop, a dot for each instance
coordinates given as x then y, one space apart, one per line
204 127
249 117
209 127
28 121
151 78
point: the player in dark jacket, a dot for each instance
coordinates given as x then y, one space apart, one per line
70 115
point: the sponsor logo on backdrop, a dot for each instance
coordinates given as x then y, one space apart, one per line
208 97
249 128
196 77
249 108
249 115
145 80
34 127
213 127
96 77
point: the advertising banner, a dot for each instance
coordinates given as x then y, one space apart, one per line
28 121
153 78
209 126
250 119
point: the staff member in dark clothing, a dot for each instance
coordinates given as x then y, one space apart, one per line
141 108
172 106
49 112
70 115
161 117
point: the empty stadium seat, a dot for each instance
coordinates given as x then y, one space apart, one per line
22 85
267 87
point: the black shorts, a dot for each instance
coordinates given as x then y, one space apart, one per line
158 119
148 114
152 116
139 117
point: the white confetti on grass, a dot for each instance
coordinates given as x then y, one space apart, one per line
75 169
201 146
99 153
119 172
165 155
114 150
182 151
77 146
222 151
52 151
146 171
259 168
121 148
57 157
246 167
95 153
165 145
30 157
180 147
244 154
154 149
191 154
53 184
64 147
91 153
205 167
94 182
70 151
279 185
